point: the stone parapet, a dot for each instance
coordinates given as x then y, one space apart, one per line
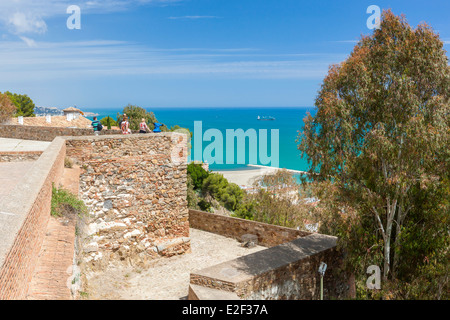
268 235
287 271
24 214
41 133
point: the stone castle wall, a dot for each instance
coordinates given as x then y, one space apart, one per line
41 133
269 235
136 194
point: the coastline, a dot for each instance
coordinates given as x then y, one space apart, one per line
246 176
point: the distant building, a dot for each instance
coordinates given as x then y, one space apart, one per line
45 111
72 113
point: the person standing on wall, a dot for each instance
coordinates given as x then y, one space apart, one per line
97 126
143 128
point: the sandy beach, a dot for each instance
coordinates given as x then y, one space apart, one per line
246 177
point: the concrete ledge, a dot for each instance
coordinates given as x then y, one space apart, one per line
43 133
23 218
204 293
286 271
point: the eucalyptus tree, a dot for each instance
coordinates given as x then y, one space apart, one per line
381 131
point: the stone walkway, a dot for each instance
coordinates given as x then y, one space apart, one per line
11 173
165 278
19 145
51 278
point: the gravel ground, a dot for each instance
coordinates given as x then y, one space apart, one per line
166 278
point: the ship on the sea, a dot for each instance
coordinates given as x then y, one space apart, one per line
265 118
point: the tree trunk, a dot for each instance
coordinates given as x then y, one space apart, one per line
391 208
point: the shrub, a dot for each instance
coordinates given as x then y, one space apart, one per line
65 203
198 174
108 122
7 108
68 163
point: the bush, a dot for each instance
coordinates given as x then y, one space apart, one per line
197 174
135 115
108 122
68 163
227 194
65 203
7 108
24 105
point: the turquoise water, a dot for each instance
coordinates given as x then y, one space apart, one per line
288 121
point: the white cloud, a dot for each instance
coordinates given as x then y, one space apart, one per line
49 60
28 16
30 42
22 23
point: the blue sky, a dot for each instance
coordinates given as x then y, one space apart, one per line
185 53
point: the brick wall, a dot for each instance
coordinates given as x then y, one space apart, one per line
268 235
136 195
24 218
45 133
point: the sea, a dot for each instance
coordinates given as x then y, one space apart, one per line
209 127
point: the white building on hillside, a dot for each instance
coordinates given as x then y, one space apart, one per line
72 113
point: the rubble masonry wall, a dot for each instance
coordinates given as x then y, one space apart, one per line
136 194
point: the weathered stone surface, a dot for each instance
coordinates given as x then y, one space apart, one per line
91 247
136 195
287 271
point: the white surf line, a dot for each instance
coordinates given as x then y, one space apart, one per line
275 168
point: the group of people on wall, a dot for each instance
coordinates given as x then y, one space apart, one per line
124 126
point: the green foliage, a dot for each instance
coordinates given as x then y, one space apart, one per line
204 187
135 115
204 205
228 194
7 108
380 140
275 202
108 122
192 196
232 196
24 104
181 129
197 174
214 185
64 202
247 209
